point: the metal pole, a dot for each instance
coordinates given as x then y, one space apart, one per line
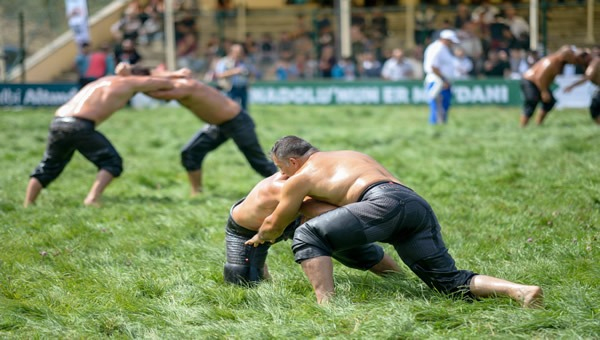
344 9
589 37
409 33
22 46
545 26
533 22
241 18
169 36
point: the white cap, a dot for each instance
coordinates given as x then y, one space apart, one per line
449 35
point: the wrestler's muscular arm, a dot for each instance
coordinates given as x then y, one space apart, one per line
146 84
591 72
292 195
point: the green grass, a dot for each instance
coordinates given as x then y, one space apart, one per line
521 204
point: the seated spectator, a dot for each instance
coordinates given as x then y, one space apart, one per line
463 15
305 65
486 12
326 61
285 43
471 43
128 27
186 52
127 53
152 29
358 19
344 69
369 66
518 27
518 63
266 49
497 64
415 59
184 24
286 69
500 36
397 68
379 23
424 23
463 66
250 46
359 41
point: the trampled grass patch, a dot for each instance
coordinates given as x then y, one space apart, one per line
521 204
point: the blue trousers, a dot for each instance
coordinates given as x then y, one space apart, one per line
240 95
439 106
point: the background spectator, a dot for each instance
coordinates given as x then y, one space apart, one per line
326 61
93 65
497 64
397 68
463 15
369 66
518 27
127 53
232 73
344 69
463 65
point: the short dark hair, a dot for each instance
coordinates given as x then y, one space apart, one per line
140 70
291 146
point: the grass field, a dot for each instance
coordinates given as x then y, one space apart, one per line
521 204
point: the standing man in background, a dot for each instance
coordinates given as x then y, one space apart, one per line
438 65
93 65
232 75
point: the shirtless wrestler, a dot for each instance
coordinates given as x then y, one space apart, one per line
373 207
74 128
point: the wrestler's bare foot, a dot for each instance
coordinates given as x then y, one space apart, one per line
195 192
324 298
529 296
90 202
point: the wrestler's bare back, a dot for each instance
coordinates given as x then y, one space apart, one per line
543 72
340 177
259 203
592 72
100 99
204 101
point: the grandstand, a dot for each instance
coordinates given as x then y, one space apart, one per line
51 51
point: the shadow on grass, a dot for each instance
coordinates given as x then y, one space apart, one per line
395 286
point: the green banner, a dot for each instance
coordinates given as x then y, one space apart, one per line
473 92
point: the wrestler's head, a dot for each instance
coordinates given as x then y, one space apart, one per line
583 57
289 154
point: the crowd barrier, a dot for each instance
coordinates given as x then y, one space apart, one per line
466 92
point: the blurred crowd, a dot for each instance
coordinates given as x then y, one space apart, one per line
494 42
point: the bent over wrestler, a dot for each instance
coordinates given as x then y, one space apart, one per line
73 128
225 120
373 207
246 264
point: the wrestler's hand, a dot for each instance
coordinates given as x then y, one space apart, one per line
546 97
123 69
568 89
257 240
183 73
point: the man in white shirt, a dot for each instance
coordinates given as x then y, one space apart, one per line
438 65
397 68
